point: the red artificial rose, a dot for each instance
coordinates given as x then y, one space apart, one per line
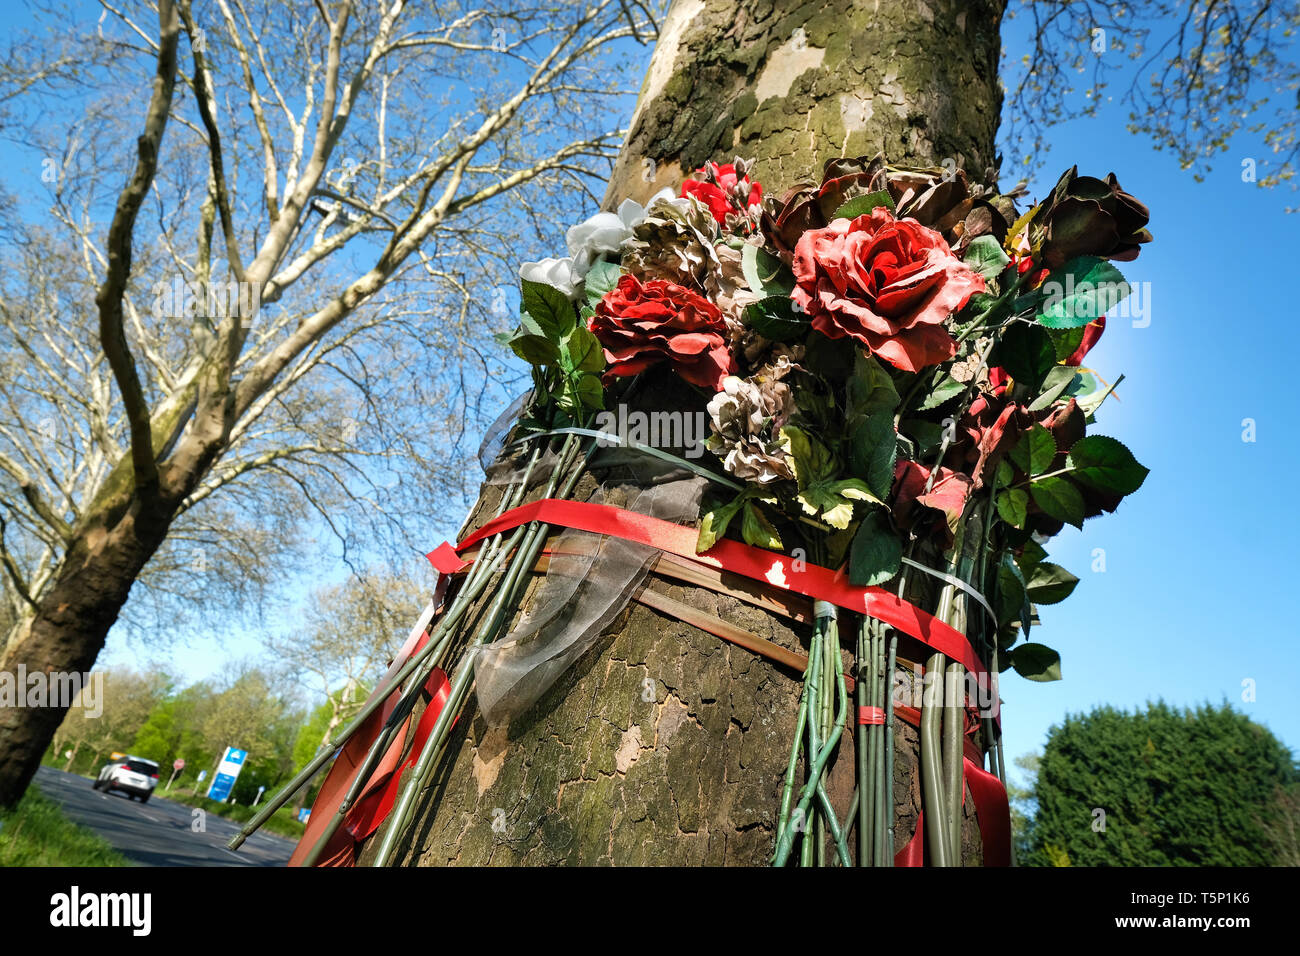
888 283
720 194
993 425
1091 333
948 494
644 323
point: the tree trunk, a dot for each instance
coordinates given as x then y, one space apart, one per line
69 628
665 745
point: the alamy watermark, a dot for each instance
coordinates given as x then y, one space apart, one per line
180 299
53 689
687 430
1116 300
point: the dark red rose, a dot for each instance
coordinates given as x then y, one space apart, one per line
643 324
723 191
1088 216
914 508
888 283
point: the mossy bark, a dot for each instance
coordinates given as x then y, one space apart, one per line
665 745
795 84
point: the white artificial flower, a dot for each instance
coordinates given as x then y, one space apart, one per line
606 232
553 272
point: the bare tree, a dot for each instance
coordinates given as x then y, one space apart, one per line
348 635
293 269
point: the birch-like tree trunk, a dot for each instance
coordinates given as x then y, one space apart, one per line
666 745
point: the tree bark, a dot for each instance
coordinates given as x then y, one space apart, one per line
70 625
665 745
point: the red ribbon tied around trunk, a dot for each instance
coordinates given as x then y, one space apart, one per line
776 570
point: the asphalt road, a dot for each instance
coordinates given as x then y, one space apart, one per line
158 833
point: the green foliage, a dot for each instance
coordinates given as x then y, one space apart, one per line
1027 353
821 493
1081 291
877 552
986 257
1178 787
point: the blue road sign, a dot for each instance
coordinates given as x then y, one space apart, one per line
227 771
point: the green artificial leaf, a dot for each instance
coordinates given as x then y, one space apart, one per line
581 351
1106 464
1066 341
590 391
548 307
820 493
1058 380
1027 354
1082 386
1013 506
765 274
1013 597
757 530
1058 499
861 205
601 278
1006 637
833 500
714 524
985 256
775 318
928 436
872 451
1030 555
535 349
1036 662
1034 452
945 391
877 552
828 358
813 461
870 389
1050 584
1082 290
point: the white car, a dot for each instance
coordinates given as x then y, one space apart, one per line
134 776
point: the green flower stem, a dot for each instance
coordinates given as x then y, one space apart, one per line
807 845
787 791
953 727
479 574
865 779
888 825
524 557
815 771
879 768
786 833
466 594
936 820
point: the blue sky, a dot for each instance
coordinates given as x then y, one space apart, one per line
1193 598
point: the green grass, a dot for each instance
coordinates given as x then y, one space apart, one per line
36 833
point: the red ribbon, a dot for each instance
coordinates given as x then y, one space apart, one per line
871 715
777 570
